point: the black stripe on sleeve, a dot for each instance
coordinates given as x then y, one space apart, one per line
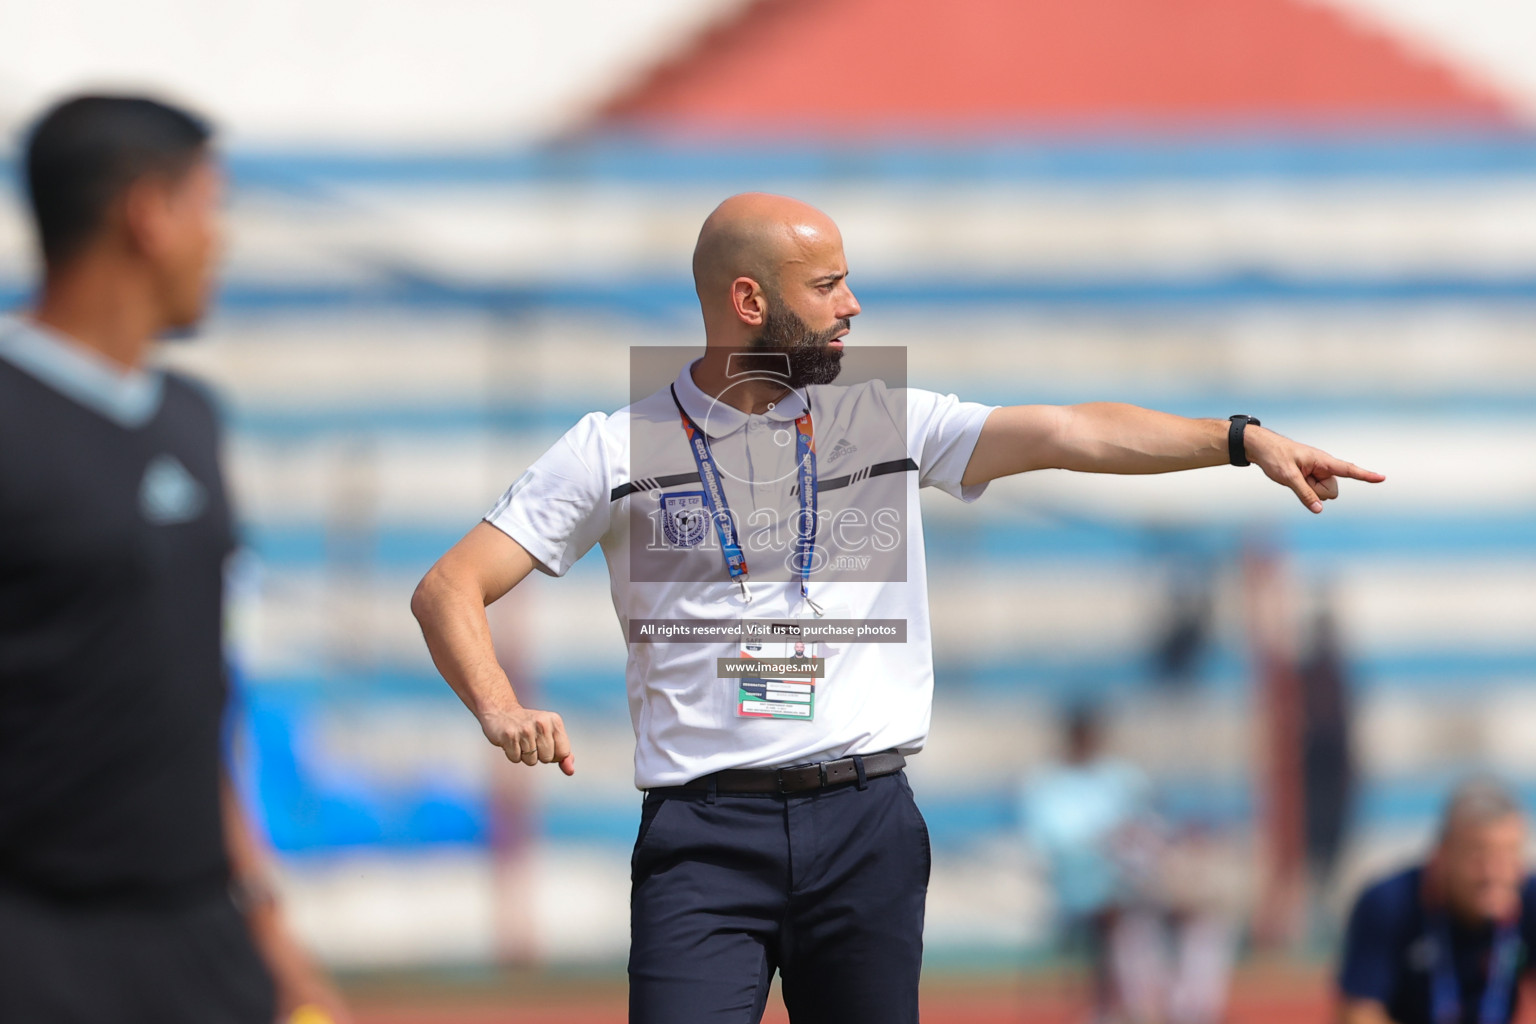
653 484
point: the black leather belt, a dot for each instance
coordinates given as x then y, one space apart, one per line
800 778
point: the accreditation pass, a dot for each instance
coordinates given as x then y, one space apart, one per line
779 679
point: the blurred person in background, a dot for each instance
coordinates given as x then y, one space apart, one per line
1142 900
1328 768
1072 812
1447 941
131 887
1182 645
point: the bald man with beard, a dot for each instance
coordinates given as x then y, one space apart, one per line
778 832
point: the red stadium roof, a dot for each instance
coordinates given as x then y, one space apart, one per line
835 68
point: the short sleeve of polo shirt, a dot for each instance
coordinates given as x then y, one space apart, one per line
560 507
941 435
1374 943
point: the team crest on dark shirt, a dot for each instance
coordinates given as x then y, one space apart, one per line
169 494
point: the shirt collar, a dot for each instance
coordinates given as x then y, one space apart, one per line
717 419
129 398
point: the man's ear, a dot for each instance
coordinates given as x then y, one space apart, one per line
749 302
144 208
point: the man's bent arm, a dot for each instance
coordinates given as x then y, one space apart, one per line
449 603
1110 437
1361 1011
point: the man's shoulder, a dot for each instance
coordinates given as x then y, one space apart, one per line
856 402
1393 897
656 405
656 408
1528 903
16 383
905 403
13 382
191 393
608 433
873 389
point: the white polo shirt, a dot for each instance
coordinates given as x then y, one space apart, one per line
621 481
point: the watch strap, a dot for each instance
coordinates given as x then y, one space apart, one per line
1237 452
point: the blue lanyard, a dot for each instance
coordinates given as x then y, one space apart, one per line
805 528
720 509
1503 967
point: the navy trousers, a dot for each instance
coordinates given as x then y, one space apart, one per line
826 887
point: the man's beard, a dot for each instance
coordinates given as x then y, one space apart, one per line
812 360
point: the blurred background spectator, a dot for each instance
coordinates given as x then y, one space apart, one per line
1328 779
1445 939
1077 813
1148 902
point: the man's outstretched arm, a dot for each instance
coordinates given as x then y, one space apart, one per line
449 603
1109 437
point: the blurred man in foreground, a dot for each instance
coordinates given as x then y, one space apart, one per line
1447 942
131 888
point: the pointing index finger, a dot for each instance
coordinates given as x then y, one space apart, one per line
1338 467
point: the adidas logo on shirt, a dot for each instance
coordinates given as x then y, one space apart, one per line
843 447
169 494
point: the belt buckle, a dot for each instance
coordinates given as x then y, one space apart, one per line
782 775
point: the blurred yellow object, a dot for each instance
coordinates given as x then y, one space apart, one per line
310 1014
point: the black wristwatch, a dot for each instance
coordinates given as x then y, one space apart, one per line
1236 453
